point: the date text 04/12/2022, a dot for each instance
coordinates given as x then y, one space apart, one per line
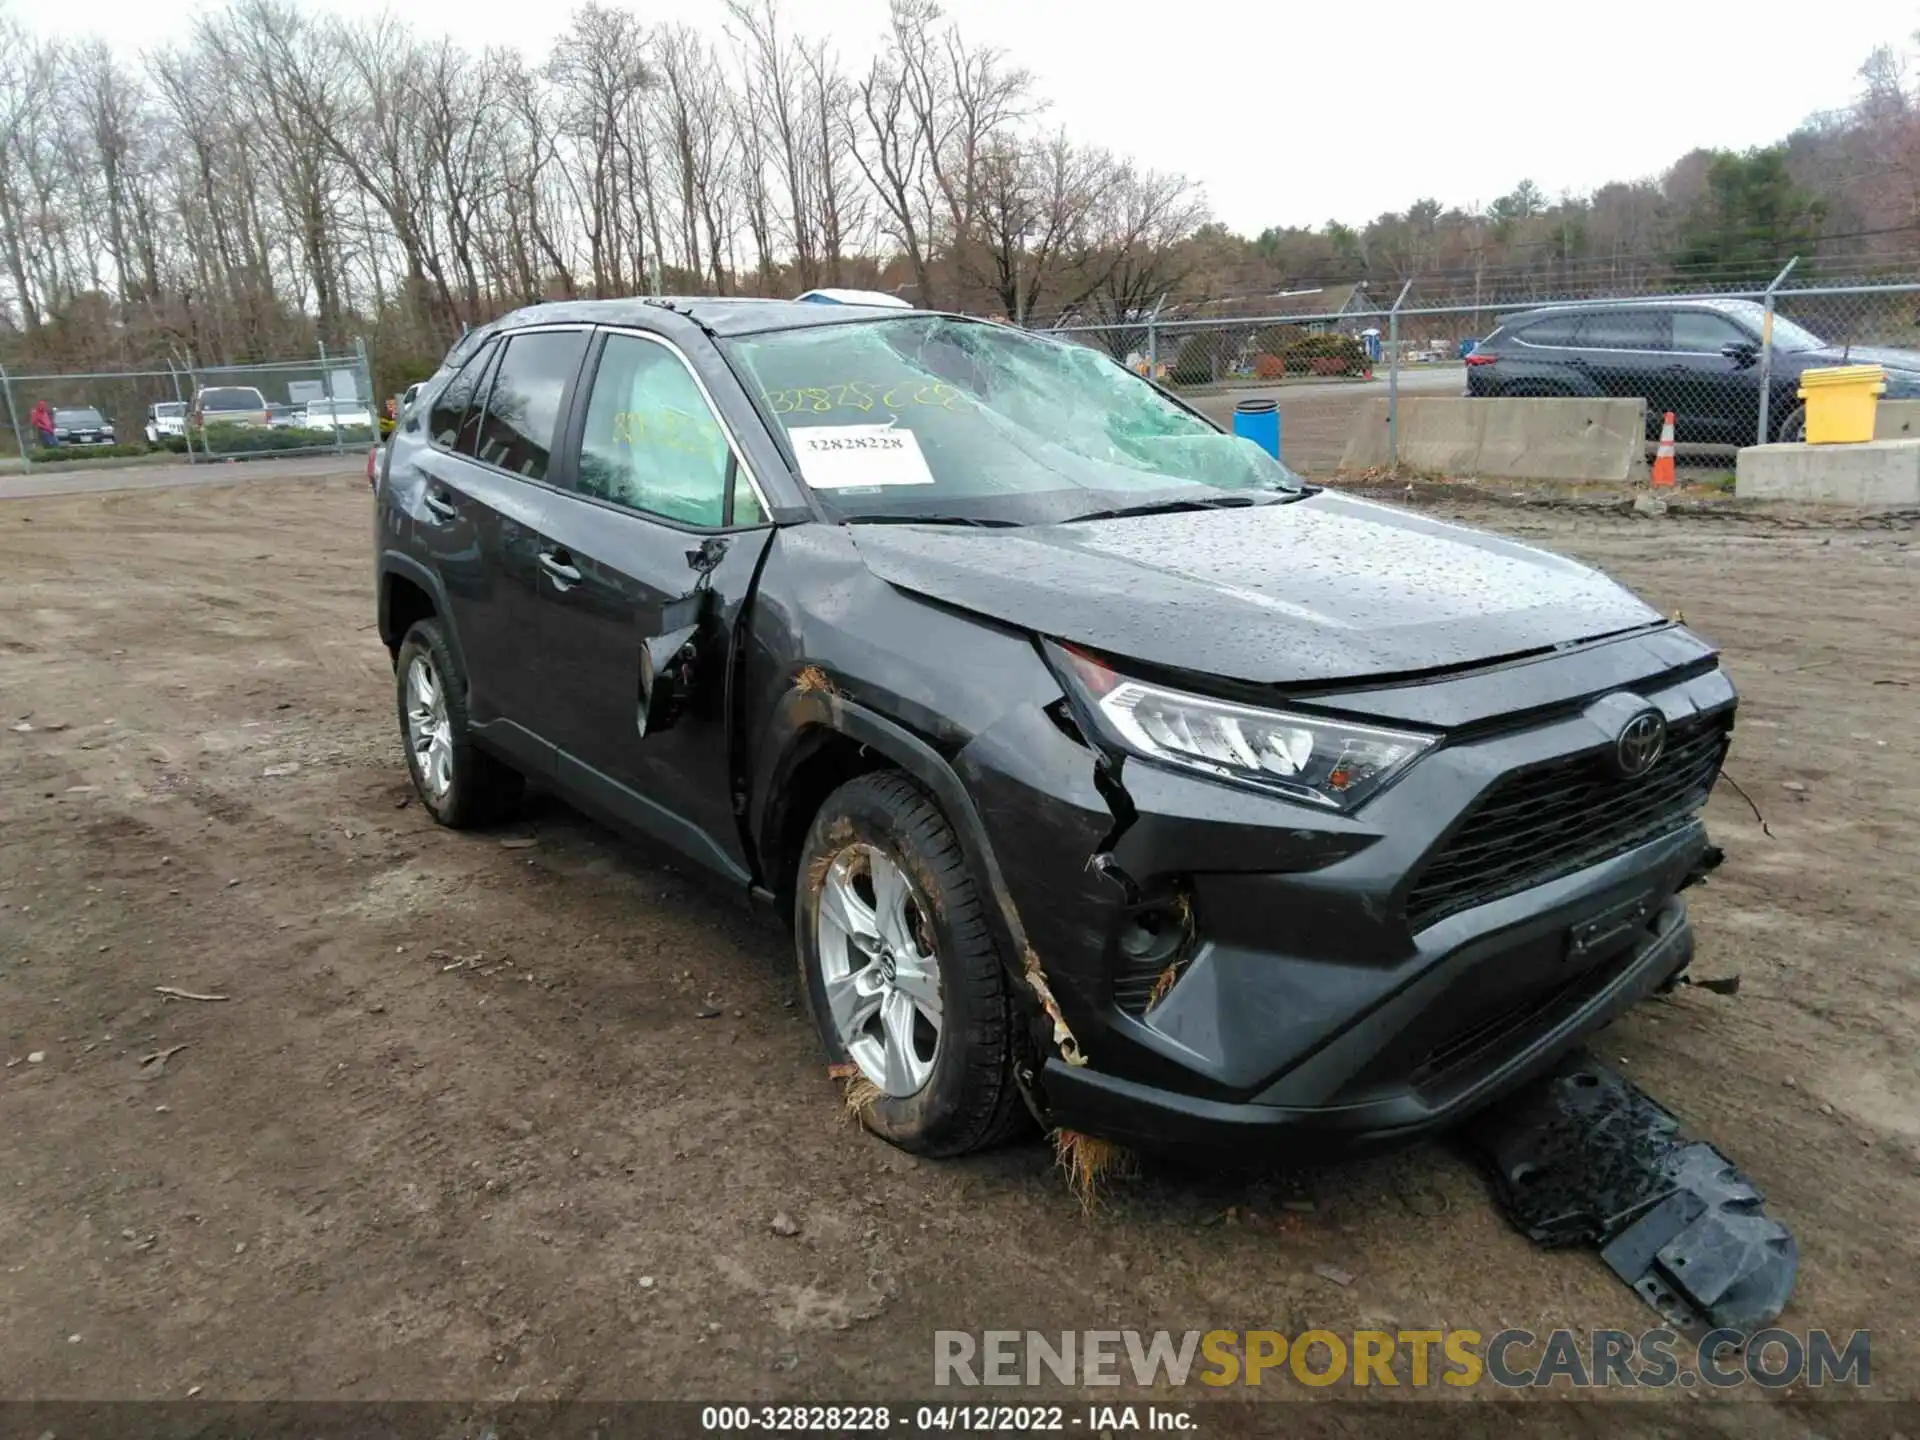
947 1419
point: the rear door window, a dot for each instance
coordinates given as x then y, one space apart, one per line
524 400
1554 330
1698 332
1624 330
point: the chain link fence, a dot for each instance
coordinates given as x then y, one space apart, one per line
1725 363
195 412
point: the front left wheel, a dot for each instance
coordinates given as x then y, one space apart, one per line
900 970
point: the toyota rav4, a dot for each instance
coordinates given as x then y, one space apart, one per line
1108 774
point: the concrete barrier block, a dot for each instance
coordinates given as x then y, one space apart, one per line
1897 420
1877 472
1512 439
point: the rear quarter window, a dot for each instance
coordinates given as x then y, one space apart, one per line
450 406
1553 330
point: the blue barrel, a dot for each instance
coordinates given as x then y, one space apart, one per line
1259 421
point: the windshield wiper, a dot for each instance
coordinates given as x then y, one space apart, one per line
1174 507
980 521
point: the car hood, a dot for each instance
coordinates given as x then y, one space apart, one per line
1320 589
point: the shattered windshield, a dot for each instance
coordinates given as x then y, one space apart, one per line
928 416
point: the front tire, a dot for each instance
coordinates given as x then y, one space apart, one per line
900 971
461 785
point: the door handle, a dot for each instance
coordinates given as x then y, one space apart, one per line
559 567
441 506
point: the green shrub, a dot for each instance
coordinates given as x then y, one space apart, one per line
42 455
1277 339
1326 354
255 440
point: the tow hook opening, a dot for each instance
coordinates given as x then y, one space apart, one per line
1709 861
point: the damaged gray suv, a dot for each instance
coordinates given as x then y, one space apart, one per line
1109 775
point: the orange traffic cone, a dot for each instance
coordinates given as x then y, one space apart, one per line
1663 457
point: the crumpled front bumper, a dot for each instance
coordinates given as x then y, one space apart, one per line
1310 1010
1312 1110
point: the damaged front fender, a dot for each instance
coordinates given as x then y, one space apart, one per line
841 659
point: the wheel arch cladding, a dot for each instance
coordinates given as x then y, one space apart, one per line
404 603
824 740
406 585
819 759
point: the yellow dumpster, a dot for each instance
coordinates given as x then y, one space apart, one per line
1840 403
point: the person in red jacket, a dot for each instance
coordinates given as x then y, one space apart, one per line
42 419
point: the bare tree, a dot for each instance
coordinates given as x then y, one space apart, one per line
893 158
277 178
29 90
839 211
1032 240
782 113
601 70
1137 242
696 139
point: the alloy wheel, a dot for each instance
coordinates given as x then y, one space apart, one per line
429 730
879 968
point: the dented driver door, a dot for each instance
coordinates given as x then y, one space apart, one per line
653 545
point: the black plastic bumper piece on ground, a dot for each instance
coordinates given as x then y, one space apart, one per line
1583 1156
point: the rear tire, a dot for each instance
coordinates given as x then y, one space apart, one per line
887 918
461 785
1793 427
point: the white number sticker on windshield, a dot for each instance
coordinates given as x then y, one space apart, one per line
850 457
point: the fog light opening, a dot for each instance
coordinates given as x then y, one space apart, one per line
1160 933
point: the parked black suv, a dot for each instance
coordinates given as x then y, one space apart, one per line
1699 359
82 425
1107 773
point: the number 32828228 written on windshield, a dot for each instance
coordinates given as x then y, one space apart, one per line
864 396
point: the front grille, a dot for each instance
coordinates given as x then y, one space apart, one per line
1550 820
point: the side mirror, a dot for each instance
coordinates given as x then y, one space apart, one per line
666 678
1742 352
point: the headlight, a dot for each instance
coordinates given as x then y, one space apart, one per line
1323 761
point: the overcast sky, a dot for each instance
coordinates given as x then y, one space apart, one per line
1294 113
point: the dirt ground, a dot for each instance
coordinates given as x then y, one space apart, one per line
512 1114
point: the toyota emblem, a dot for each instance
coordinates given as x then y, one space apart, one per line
1640 744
